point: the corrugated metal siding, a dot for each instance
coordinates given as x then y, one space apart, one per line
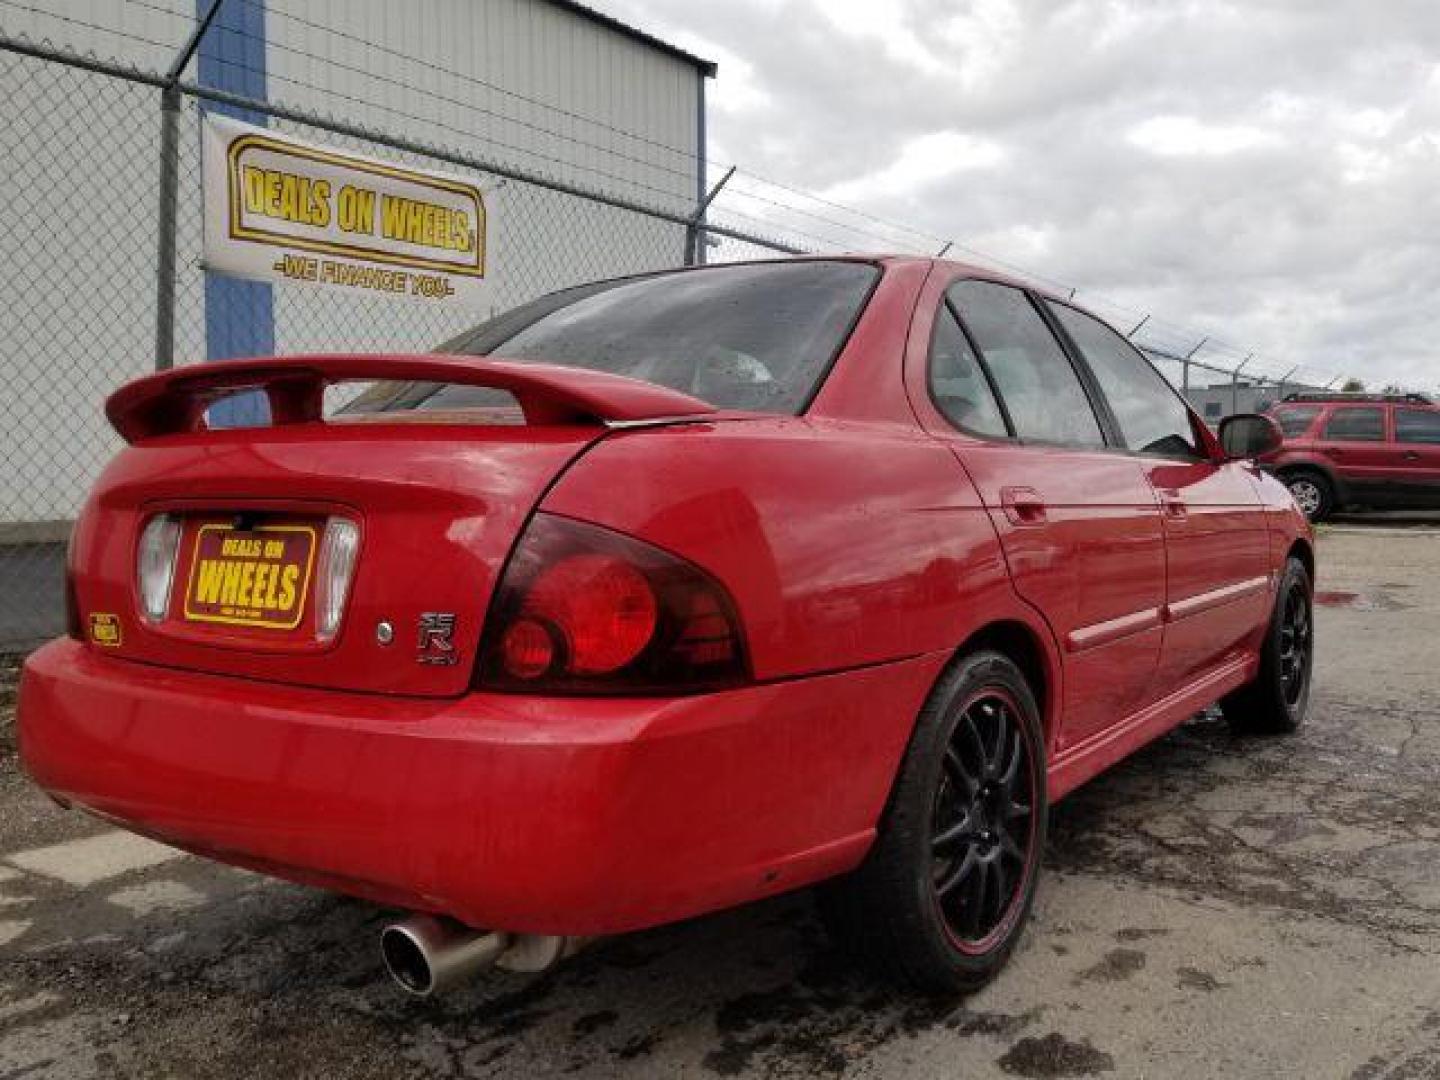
521 80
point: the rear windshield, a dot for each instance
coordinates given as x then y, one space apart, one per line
755 337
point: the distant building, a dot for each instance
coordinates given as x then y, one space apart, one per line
1222 399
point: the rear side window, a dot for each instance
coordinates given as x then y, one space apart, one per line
957 384
757 336
1356 424
1151 415
1417 425
1296 419
1036 381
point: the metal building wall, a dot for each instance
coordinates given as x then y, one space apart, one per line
532 82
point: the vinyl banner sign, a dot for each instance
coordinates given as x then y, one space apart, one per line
279 209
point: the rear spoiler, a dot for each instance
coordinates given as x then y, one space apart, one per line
175 401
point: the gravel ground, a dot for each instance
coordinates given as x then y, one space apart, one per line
1212 907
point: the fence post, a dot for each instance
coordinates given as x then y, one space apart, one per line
695 227
1280 393
169 211
1185 366
165 232
1235 384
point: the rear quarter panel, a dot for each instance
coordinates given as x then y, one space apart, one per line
842 543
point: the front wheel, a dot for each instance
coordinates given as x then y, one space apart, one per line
1312 493
941 899
1278 699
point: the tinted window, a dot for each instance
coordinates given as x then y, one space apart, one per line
957 384
1040 389
1153 419
1356 425
756 337
1296 419
1417 425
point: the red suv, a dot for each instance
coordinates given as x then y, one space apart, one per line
1360 450
829 569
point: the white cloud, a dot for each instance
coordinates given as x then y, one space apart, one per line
1260 170
1179 136
921 162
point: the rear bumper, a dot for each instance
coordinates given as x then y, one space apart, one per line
539 815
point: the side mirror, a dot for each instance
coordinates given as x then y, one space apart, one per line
1249 435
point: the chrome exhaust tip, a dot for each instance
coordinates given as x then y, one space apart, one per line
426 954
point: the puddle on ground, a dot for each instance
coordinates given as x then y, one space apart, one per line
1377 600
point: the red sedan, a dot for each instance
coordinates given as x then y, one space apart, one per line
722 582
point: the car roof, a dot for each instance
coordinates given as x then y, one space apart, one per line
1355 398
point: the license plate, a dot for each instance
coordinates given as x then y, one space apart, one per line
255 577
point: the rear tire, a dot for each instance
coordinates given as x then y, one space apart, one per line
1278 699
1312 492
941 900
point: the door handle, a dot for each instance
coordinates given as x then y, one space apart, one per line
1412 455
1023 506
1172 505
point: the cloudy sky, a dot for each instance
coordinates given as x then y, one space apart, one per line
1265 171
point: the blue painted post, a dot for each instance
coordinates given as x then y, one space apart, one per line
239 315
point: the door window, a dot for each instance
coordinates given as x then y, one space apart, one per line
957 383
1152 417
1296 419
1356 424
1037 384
1417 426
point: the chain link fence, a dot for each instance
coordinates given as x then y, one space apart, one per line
66 343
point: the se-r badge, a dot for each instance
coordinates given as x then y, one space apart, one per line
437 634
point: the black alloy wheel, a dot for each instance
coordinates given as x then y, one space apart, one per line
983 821
1277 700
942 898
1294 647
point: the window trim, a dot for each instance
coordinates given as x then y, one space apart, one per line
823 373
1317 411
1395 416
1079 358
1322 433
1082 377
944 308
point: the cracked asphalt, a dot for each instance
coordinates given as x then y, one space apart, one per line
1213 907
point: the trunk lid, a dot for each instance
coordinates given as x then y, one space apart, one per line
435 508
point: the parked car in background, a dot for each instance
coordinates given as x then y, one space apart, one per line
812 570
1360 451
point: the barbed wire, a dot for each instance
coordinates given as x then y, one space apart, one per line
471 78
688 175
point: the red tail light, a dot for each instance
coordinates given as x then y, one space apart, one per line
582 609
